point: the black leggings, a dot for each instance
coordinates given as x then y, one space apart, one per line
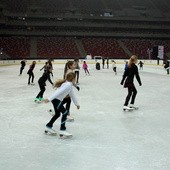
77 76
21 69
31 75
67 101
59 108
42 90
131 94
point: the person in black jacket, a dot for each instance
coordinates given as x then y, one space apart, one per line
23 63
31 73
127 80
42 84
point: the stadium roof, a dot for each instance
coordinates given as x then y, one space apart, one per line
110 8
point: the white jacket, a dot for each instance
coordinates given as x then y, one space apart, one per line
64 90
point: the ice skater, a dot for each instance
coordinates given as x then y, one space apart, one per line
114 66
140 65
107 62
42 83
64 88
50 64
77 70
128 81
31 74
85 68
103 62
45 67
69 68
23 63
167 66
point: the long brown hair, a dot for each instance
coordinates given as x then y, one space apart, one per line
69 77
133 60
67 66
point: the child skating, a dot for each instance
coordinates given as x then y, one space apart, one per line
114 67
31 73
64 88
69 67
127 81
42 83
85 68
23 63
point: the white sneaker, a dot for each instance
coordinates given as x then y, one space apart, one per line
70 119
49 130
65 133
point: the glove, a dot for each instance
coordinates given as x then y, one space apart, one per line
78 88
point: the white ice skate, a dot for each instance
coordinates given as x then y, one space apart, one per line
50 131
69 119
133 107
65 134
126 108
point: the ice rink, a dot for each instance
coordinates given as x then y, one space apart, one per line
104 136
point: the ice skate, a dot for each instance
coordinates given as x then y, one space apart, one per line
133 107
69 118
37 100
126 108
65 134
41 99
50 131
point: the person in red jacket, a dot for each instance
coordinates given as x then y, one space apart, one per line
128 82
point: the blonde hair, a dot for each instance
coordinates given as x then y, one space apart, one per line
133 60
69 77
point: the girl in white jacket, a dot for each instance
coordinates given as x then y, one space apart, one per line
64 88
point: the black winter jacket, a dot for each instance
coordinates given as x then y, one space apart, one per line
128 76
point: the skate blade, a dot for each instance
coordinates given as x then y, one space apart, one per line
128 110
49 133
65 137
36 101
135 108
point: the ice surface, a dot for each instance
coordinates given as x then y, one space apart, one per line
104 137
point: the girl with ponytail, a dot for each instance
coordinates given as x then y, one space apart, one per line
128 82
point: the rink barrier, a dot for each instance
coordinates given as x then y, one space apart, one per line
91 61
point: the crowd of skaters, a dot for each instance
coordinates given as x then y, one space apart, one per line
63 96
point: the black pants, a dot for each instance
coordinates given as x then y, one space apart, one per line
67 101
77 76
59 108
42 90
131 94
114 69
21 69
31 75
